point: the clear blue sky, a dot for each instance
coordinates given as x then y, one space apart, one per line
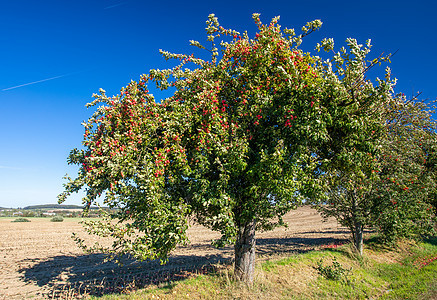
55 54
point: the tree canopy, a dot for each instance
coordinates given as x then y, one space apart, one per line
246 136
376 155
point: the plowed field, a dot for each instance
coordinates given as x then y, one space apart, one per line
40 260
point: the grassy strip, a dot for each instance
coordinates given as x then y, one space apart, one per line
410 272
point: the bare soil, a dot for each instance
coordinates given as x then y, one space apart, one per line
40 260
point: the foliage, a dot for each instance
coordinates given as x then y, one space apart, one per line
408 178
335 271
21 220
245 137
57 219
378 170
231 147
356 124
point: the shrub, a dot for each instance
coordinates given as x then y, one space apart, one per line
57 219
21 220
334 271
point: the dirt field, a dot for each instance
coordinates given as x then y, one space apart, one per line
40 260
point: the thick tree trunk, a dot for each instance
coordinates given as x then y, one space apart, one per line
245 253
358 227
358 238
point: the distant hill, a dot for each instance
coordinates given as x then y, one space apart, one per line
55 206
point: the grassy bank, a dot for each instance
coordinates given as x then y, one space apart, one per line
409 272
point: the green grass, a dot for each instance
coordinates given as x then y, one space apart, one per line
406 273
416 275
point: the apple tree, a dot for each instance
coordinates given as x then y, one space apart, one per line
233 146
356 123
402 197
374 162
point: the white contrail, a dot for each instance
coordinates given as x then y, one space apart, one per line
34 82
115 5
10 168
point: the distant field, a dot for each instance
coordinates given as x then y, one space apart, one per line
39 258
42 219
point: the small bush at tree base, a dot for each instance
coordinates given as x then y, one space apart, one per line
334 271
21 220
57 219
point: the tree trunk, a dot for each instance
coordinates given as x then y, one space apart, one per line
358 227
358 238
245 253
